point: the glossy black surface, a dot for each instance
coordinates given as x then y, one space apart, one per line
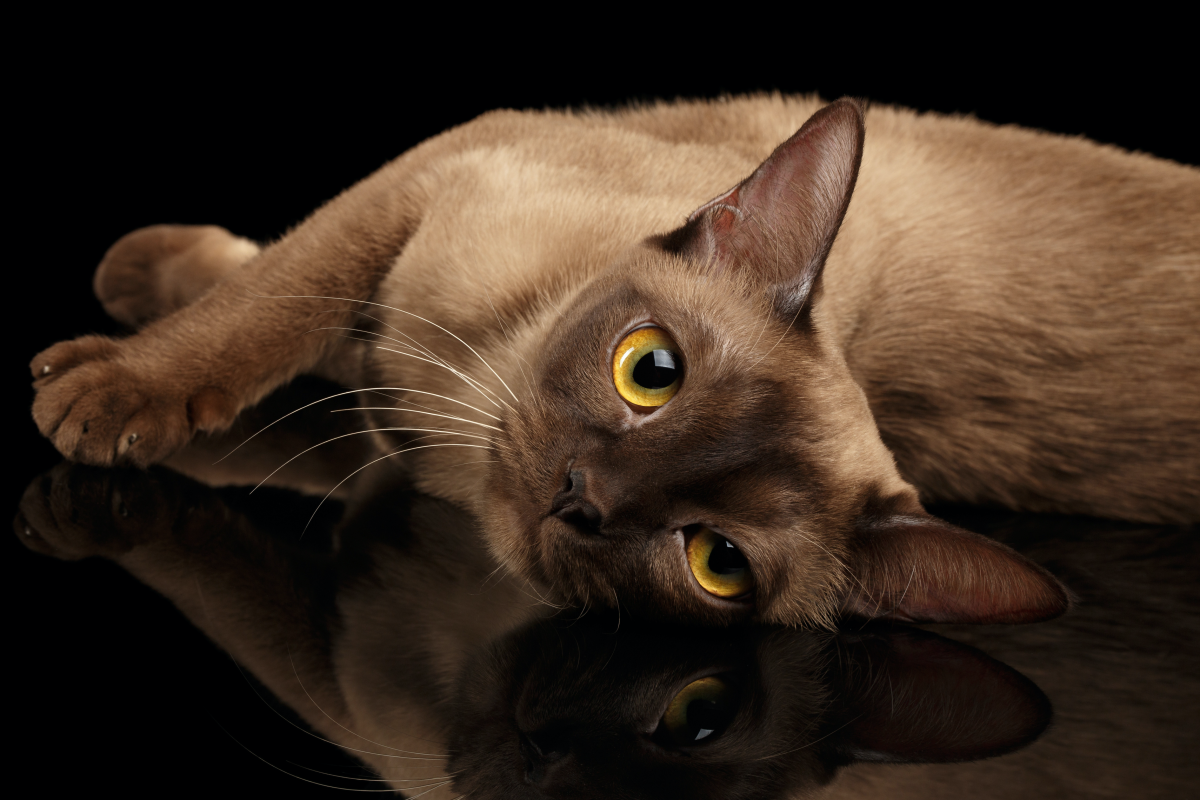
111 688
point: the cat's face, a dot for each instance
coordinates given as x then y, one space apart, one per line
763 440
694 445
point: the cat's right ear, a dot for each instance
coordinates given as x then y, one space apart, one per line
775 228
914 567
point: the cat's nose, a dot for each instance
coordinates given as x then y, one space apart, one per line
572 506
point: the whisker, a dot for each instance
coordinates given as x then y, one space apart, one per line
371 780
321 738
436 359
410 753
293 775
427 791
414 411
474 384
376 461
780 339
354 391
521 363
359 433
814 741
400 311
420 352
483 584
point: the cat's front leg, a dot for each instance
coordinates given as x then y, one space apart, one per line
138 400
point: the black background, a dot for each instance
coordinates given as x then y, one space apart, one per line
116 123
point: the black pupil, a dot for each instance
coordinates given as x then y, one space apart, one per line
706 717
656 370
726 559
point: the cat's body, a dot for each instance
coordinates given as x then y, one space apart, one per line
1011 314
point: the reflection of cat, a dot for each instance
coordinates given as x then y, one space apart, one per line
404 664
422 657
692 420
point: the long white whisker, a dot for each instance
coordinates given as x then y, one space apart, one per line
474 384
359 433
508 339
427 791
414 411
377 460
399 311
354 391
436 359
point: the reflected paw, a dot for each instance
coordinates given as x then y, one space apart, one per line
75 511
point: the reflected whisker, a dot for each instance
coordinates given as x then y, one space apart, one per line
409 753
293 775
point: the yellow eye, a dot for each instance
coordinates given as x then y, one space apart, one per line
701 711
719 567
647 369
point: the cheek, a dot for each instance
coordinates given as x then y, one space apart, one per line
510 537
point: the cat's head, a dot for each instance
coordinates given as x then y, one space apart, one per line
583 710
695 446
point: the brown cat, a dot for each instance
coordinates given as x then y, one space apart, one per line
732 417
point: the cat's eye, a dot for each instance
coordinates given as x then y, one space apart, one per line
647 368
719 567
700 712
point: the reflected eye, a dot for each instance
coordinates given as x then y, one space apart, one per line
647 369
719 567
700 712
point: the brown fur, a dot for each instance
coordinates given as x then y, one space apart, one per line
1005 317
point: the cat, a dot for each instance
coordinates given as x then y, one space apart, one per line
407 641
693 415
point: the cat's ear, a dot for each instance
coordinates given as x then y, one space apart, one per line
916 568
912 696
776 227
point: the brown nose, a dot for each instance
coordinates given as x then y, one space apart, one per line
571 504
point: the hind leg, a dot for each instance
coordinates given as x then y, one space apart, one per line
155 271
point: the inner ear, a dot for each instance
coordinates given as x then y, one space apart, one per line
775 228
909 695
917 568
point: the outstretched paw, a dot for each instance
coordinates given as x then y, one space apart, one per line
99 406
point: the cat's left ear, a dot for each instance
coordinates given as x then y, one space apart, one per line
776 227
